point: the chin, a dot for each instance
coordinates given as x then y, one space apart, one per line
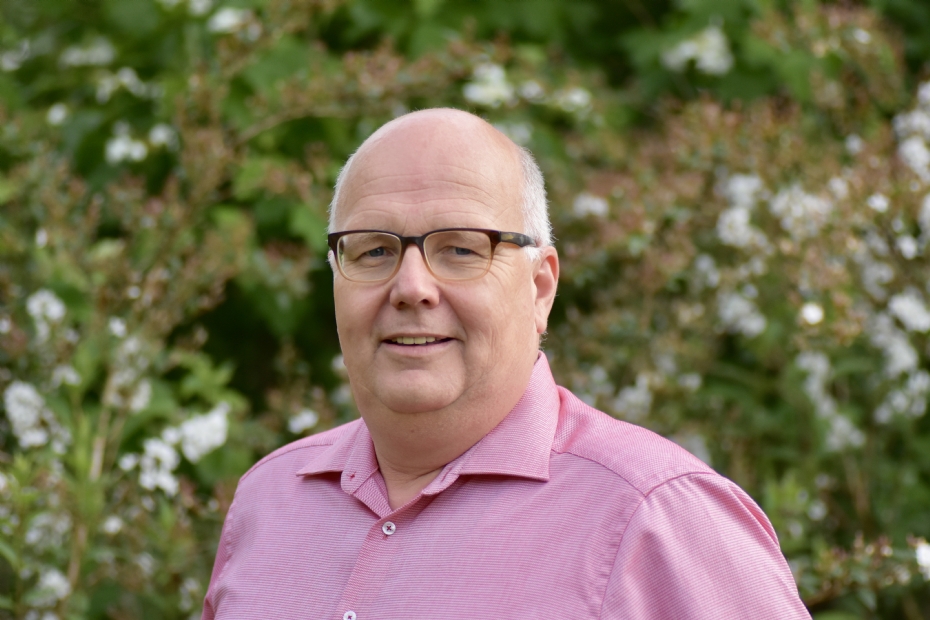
417 396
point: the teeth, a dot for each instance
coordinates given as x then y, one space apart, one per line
414 340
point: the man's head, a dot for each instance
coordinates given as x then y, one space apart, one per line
425 171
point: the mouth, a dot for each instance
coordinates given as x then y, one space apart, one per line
414 341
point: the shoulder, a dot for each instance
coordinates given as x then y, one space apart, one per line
302 449
644 459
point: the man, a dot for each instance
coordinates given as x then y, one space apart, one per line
473 487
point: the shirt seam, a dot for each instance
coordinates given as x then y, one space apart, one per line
642 501
282 452
627 480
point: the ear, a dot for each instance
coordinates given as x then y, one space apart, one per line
545 280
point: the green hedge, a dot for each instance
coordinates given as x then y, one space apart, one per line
740 191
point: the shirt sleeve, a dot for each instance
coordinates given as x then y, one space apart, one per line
222 557
697 548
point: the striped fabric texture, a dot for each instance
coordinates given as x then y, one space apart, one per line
559 512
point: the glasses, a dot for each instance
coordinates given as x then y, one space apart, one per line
449 253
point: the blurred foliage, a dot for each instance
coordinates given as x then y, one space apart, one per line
739 189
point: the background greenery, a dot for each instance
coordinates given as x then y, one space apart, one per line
740 191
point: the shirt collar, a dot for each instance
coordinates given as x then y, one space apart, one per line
518 446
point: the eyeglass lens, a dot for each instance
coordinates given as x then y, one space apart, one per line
452 255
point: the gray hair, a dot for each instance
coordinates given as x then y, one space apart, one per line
535 207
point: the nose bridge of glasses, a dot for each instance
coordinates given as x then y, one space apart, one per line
418 242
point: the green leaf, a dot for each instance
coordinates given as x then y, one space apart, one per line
8 554
307 225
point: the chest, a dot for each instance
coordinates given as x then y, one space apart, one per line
483 548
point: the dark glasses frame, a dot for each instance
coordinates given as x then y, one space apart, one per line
495 236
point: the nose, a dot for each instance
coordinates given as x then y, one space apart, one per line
414 285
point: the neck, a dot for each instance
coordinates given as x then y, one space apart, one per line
412 448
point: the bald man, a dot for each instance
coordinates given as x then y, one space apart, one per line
473 487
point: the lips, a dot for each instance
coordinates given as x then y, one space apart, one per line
415 340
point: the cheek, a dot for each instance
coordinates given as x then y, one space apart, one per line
355 313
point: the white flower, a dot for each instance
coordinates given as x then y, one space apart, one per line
913 123
843 434
52 587
157 462
99 52
739 314
634 402
922 555
802 215
163 135
33 422
709 50
743 190
862 36
24 406
305 419
56 114
489 86
690 381
900 356
130 361
44 305
907 246
128 461
878 203
706 269
811 313
112 525
532 91
915 154
117 327
199 7
589 204
923 95
14 59
190 594
124 78
817 366
65 375
574 99
838 187
122 147
141 396
228 20
202 434
6 325
735 229
910 309
854 144
909 400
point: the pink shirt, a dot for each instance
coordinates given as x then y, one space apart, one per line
560 512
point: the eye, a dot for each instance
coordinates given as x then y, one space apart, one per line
462 251
375 253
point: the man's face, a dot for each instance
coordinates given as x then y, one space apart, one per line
417 178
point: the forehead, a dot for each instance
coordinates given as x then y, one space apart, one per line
433 177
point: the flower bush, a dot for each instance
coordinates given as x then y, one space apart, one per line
742 208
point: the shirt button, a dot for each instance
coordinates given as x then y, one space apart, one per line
349 615
388 528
